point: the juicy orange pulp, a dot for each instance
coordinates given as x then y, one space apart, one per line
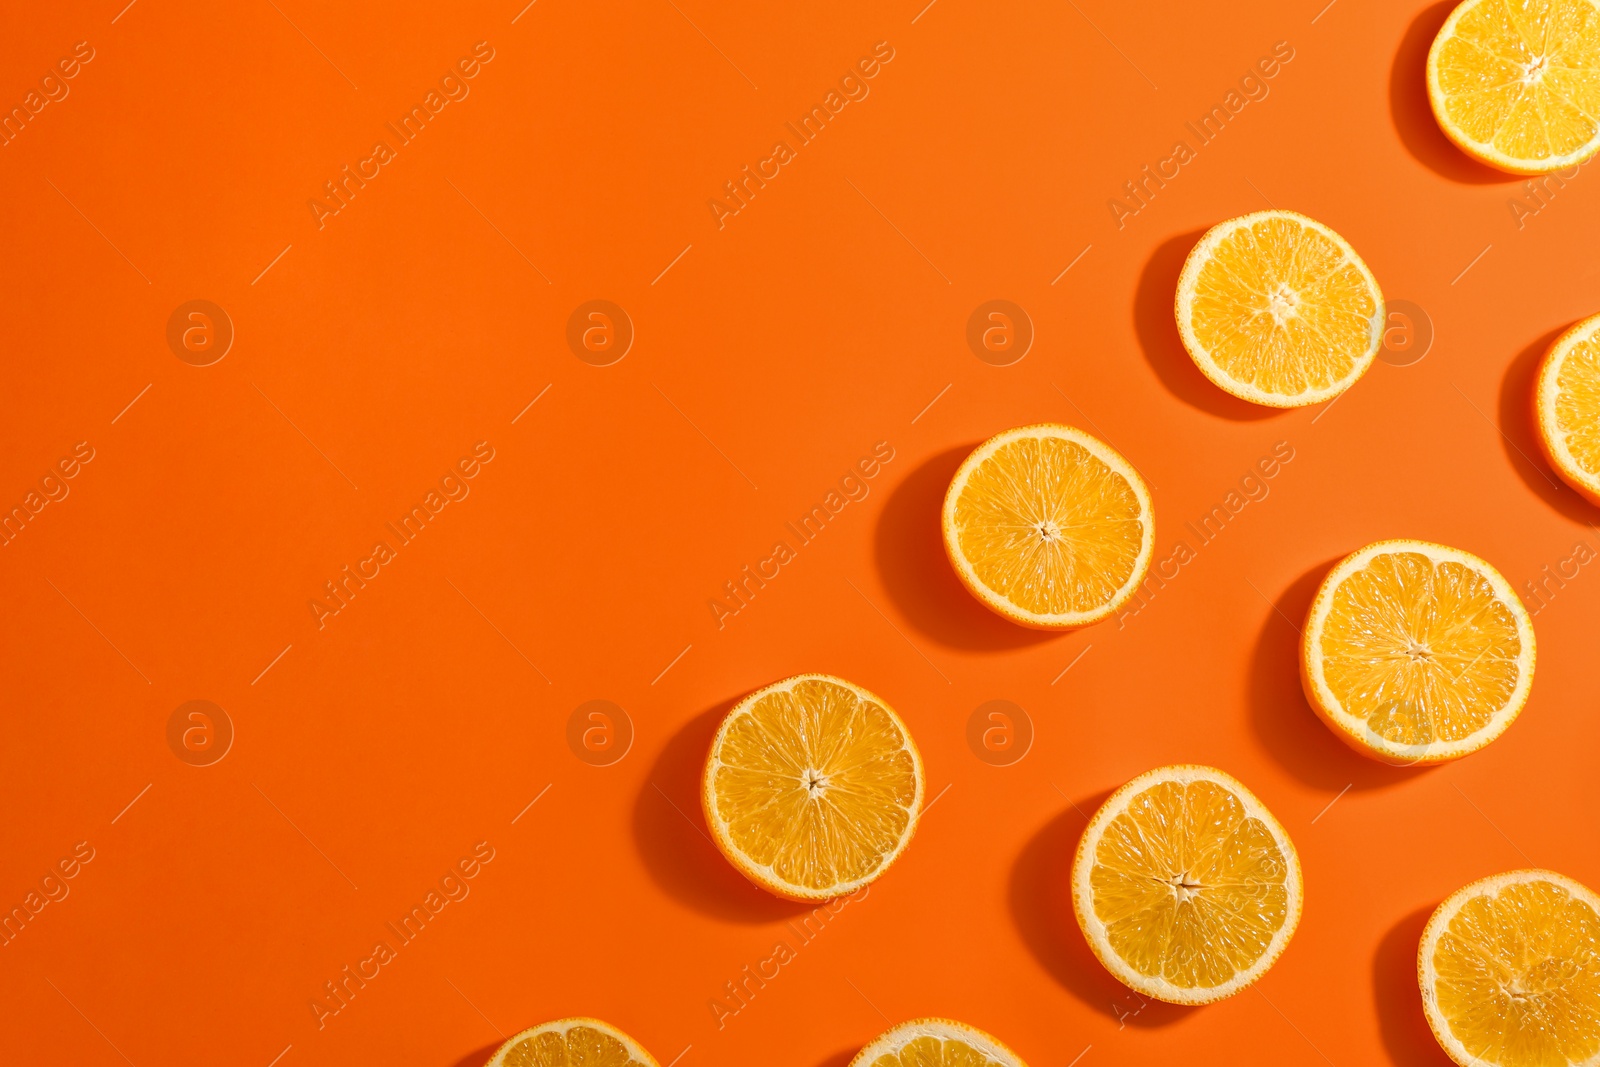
1517 82
580 1046
1517 977
1578 404
1048 526
1422 650
1190 887
1281 310
817 785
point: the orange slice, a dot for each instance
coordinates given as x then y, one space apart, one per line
1566 403
1186 887
812 787
1049 526
1277 309
936 1043
1516 83
1416 653
572 1043
1510 972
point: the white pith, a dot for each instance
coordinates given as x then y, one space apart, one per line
1282 307
1427 975
764 874
1355 727
1485 151
561 1026
896 1038
1105 454
1548 391
1095 930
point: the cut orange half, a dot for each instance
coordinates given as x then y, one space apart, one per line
1566 403
1510 972
572 1043
1186 887
812 787
1416 653
1277 309
1516 83
936 1043
1049 526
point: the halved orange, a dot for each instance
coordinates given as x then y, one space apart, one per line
1186 887
1049 526
936 1043
1416 653
1516 83
572 1043
1510 972
1566 407
1277 309
812 787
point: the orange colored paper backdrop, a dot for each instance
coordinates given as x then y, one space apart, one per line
375 347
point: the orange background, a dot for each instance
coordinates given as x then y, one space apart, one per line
823 318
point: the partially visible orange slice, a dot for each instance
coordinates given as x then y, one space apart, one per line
1277 309
812 787
936 1043
572 1043
1048 526
1186 887
1516 83
1416 653
1510 972
1566 406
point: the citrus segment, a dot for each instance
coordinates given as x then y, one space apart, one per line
1567 407
1277 309
1516 83
1048 526
572 1043
1510 972
1416 653
1186 887
812 787
936 1043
